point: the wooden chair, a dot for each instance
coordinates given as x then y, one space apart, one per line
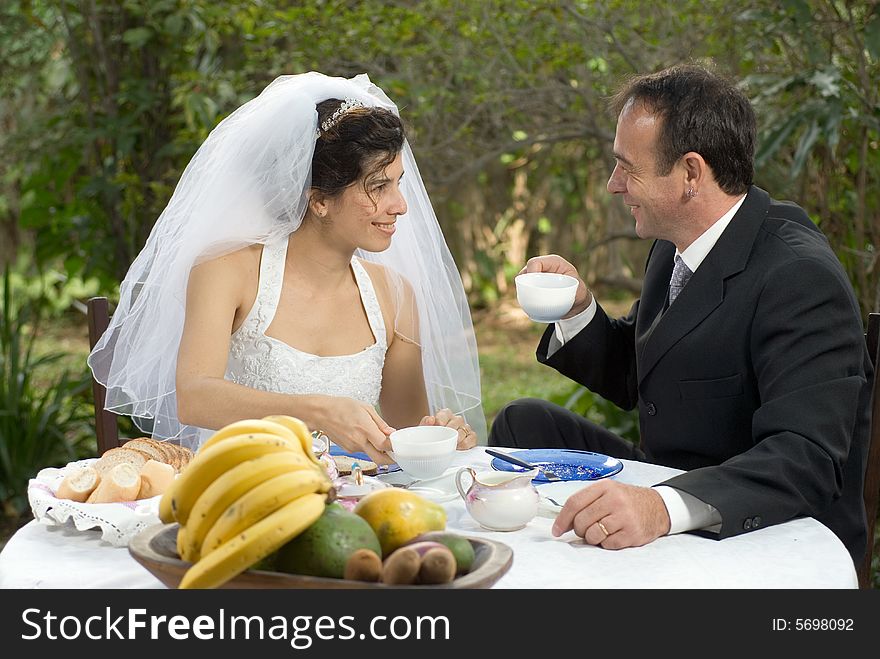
106 428
872 470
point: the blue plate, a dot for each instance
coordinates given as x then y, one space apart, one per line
568 464
383 469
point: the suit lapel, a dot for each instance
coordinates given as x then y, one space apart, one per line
659 331
654 293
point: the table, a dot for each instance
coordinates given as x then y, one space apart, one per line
801 553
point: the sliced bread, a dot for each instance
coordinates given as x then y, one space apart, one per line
148 446
183 455
120 455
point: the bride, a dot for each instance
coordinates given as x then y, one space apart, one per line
298 269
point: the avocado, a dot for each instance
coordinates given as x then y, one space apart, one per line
267 563
322 550
460 546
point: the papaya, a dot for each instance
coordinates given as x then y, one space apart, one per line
397 516
324 549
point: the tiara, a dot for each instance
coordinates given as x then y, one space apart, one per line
347 106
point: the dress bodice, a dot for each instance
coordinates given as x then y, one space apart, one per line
268 364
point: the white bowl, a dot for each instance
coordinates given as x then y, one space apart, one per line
422 467
424 451
424 441
545 296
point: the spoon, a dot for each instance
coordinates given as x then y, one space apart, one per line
549 475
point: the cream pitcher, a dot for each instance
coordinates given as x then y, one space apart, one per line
499 501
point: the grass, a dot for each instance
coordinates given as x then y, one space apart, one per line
508 368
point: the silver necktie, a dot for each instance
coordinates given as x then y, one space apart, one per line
680 275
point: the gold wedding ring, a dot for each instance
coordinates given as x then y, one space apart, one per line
604 530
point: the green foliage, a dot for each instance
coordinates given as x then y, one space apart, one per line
104 102
40 425
52 289
816 94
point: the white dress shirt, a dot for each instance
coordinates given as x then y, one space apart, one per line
686 512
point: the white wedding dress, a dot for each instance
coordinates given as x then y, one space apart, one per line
268 364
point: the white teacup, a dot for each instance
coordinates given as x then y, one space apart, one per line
545 296
424 440
424 451
499 500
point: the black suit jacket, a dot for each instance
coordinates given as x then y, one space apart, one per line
756 380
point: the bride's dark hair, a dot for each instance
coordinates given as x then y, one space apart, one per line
358 145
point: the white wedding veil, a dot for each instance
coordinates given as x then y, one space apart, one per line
248 183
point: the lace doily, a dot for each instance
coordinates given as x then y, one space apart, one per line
118 522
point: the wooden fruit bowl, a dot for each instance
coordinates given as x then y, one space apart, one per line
156 549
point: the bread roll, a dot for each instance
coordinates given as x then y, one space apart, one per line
78 485
121 483
155 479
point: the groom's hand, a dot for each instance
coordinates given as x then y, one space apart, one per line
558 265
614 515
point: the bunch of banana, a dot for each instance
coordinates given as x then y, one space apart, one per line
253 486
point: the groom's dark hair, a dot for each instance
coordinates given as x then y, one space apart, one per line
702 112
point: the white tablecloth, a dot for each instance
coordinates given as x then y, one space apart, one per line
798 554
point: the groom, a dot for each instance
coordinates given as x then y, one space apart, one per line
745 354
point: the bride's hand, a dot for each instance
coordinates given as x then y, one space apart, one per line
467 438
356 427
